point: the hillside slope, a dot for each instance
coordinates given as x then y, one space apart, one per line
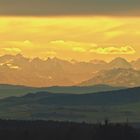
116 105
15 90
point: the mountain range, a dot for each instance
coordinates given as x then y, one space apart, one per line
115 77
36 72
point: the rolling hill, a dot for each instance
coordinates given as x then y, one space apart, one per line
116 105
15 90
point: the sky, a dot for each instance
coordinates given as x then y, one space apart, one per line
70 7
76 29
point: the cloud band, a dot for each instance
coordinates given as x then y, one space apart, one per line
73 7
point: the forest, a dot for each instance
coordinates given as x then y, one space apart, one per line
56 130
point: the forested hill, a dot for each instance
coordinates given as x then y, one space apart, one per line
52 130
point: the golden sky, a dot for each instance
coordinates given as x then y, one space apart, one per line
74 37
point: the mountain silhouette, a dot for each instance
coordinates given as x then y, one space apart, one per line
115 77
36 72
136 64
119 63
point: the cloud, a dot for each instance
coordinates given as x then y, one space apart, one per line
114 34
78 49
83 47
70 7
58 42
12 45
113 50
13 66
69 44
11 50
49 53
74 46
25 43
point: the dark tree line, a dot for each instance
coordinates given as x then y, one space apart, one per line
51 130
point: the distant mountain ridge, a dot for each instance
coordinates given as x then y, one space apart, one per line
119 63
19 70
115 77
136 64
15 90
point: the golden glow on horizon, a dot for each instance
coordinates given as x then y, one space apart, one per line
80 38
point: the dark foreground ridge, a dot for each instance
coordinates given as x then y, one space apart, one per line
51 130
